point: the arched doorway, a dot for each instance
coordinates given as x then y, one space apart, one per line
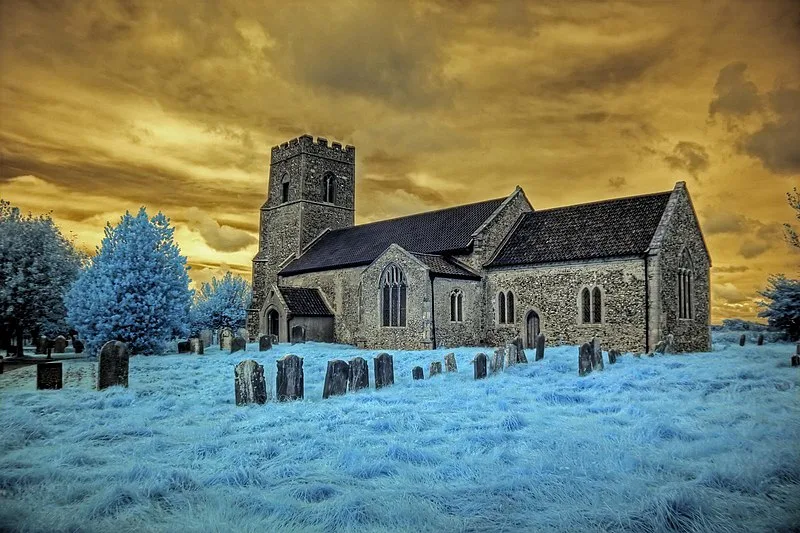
531 329
273 323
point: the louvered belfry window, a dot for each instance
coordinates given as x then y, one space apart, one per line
393 297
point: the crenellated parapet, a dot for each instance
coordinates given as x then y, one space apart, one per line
305 144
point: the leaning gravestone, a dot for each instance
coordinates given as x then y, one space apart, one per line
384 370
521 357
225 339
184 347
196 345
359 374
249 383
336 378
479 364
264 343
298 335
742 339
113 365
539 347
416 373
612 356
238 344
497 361
78 345
434 368
450 362
59 344
597 354
48 376
760 340
289 379
585 357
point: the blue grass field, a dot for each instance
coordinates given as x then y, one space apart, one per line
702 442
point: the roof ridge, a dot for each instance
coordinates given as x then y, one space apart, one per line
597 202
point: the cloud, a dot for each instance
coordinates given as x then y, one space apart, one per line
617 182
777 142
750 249
736 95
733 269
721 221
689 156
219 237
729 293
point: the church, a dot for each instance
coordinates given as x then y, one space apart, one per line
629 271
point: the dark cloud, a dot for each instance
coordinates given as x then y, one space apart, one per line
750 248
733 269
219 237
617 182
777 142
735 94
723 221
689 156
730 293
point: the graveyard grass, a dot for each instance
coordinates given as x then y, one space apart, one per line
702 442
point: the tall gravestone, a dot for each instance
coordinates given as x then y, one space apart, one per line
77 344
264 343
479 366
742 339
225 339
450 362
249 383
238 344
298 335
540 347
434 368
197 345
384 370
585 357
336 378
760 340
510 354
520 353
359 374
597 354
289 379
416 373
497 360
612 356
41 345
184 347
59 344
112 365
49 376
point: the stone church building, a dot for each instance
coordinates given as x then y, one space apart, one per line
629 270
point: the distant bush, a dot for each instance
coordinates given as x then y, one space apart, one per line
782 305
221 303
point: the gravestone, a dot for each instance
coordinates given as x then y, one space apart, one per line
359 374
336 378
742 339
298 335
434 368
384 370
479 365
225 339
264 343
416 373
450 362
250 386
585 357
796 360
289 379
197 345
78 345
113 365
1 364
510 354
184 347
41 345
497 361
207 337
243 333
238 344
520 355
49 348
797 350
274 339
612 356
59 344
48 376
539 347
760 340
597 354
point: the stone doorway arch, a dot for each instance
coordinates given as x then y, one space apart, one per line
532 328
273 323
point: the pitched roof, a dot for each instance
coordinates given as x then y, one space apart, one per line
610 228
445 267
304 302
431 232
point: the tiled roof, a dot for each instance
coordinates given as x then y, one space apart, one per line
431 232
304 302
444 267
611 228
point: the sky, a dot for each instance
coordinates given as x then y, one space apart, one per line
106 106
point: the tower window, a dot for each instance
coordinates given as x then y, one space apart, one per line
329 184
285 189
393 297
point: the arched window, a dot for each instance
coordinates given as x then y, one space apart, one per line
510 307
591 305
597 306
685 282
329 186
456 306
393 297
285 189
501 308
586 306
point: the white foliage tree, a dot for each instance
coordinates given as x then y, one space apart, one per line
221 303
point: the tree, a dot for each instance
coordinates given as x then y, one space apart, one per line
221 303
37 267
791 234
782 311
136 288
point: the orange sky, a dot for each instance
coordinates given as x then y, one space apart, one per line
106 106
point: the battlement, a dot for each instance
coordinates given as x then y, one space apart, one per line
305 144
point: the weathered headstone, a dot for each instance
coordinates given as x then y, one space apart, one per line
249 383
197 345
336 378
796 360
238 344
540 347
797 349
113 365
585 357
479 366
41 345
264 343
597 354
298 335
497 361
612 356
434 368
274 339
77 344
49 376
289 379
760 340
742 339
384 370
660 348
225 339
416 373
450 362
243 333
521 357
184 347
59 344
207 337
510 354
359 374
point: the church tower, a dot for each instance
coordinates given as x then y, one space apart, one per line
311 188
